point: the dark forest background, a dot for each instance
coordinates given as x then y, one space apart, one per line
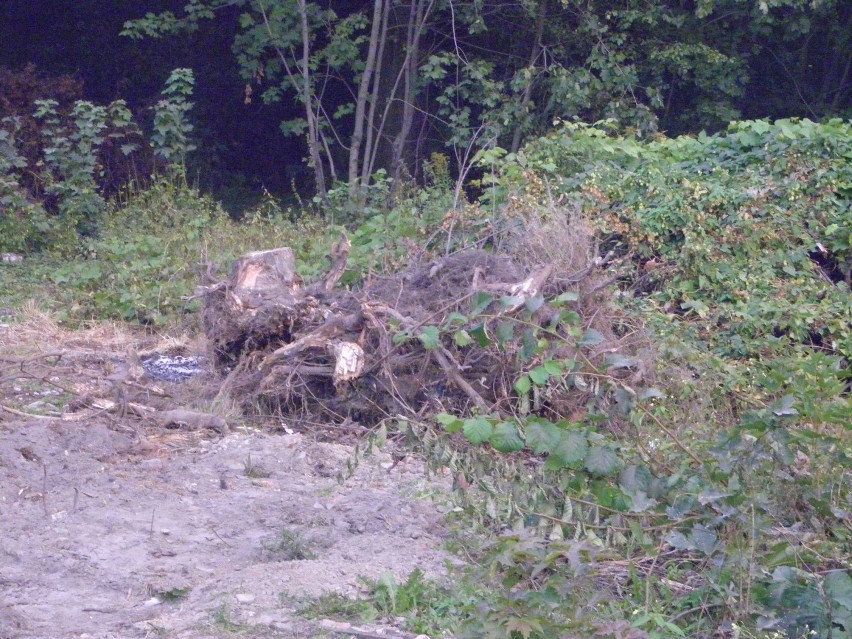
511 68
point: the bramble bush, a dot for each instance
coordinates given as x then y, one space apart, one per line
715 503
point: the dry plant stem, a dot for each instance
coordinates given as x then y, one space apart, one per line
674 437
451 368
702 608
338 255
21 413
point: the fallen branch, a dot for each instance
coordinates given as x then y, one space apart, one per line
21 413
451 367
333 327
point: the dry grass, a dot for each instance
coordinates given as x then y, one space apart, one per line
37 332
81 369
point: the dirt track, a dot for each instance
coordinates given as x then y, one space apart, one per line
98 525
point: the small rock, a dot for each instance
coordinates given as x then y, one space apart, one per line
245 597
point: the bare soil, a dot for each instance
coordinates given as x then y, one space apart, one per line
103 528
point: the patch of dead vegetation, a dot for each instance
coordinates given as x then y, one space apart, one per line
389 347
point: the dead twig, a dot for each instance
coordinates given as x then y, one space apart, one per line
21 413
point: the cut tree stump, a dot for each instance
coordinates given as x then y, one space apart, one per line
265 278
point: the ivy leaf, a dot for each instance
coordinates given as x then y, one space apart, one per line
430 337
477 430
542 436
602 461
506 438
570 450
679 541
640 502
523 626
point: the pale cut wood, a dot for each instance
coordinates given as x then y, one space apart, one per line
264 278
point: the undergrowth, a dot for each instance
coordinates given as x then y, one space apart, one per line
708 497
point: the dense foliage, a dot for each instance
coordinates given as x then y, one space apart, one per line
724 500
381 86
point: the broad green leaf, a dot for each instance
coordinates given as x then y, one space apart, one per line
602 461
554 367
571 449
703 538
506 438
567 296
591 337
508 301
462 338
542 437
610 497
452 423
784 406
480 335
505 331
481 301
539 375
430 336
523 385
616 361
534 303
456 318
572 318
529 345
477 430
838 586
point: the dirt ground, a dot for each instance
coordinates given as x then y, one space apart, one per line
112 530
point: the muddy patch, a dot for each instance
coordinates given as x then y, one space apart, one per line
106 533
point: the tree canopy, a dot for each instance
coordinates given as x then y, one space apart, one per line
361 87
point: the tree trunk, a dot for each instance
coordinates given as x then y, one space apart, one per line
307 97
416 22
536 51
361 100
373 138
